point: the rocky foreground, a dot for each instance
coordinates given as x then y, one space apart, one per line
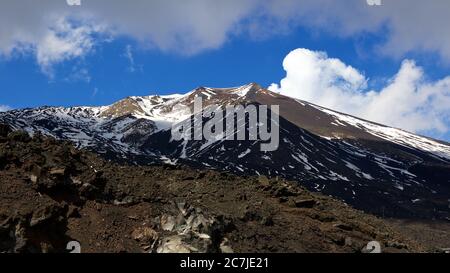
52 193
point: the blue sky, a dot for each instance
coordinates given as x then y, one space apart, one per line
102 64
237 62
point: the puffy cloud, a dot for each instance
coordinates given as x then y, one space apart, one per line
47 30
56 32
183 26
64 41
407 101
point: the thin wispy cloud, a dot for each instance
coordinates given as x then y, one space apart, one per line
79 74
128 54
95 92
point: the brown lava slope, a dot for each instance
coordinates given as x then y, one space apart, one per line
52 193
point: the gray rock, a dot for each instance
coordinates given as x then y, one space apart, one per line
167 222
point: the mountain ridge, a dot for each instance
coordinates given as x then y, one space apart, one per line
373 167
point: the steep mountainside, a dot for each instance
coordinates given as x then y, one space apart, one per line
376 168
52 194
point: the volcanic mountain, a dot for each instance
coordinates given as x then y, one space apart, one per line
376 168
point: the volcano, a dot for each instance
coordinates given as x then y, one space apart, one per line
375 168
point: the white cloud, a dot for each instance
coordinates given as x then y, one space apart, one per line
407 101
4 108
188 27
403 25
64 41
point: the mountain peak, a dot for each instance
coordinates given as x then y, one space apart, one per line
255 85
250 86
123 107
402 172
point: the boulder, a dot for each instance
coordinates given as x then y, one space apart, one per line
144 234
168 222
175 244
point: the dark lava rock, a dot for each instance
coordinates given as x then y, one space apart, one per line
305 203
